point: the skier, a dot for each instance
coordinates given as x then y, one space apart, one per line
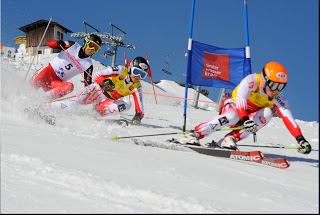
109 93
53 78
250 106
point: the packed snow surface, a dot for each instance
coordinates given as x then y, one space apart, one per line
76 167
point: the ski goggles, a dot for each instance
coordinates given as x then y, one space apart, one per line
272 84
275 85
93 45
136 71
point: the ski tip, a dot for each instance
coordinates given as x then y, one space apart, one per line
115 138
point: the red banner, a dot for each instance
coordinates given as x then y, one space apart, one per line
216 66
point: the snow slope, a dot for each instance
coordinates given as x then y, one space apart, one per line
75 166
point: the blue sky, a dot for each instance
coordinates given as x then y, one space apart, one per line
286 31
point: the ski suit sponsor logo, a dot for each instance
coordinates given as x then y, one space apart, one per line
140 95
223 120
251 84
280 101
121 77
262 119
115 68
216 66
121 107
212 127
60 71
131 88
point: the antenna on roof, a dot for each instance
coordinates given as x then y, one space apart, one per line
85 27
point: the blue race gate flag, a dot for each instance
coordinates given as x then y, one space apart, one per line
217 67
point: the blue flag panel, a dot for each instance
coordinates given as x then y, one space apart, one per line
217 67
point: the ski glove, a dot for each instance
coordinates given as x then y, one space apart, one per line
136 120
250 126
242 120
305 146
107 85
61 42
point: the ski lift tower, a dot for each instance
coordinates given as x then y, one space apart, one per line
111 40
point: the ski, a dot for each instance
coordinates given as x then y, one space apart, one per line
253 156
280 163
121 122
37 113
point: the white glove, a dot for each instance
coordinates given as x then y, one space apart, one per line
305 146
250 126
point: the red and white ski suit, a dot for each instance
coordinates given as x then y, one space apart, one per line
53 78
248 99
106 103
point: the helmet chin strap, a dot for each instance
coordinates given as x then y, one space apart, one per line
129 72
82 53
264 88
129 78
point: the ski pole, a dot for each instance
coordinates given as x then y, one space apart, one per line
225 129
149 71
280 147
148 135
254 137
185 132
45 31
129 120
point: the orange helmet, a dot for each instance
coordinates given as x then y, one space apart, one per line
273 75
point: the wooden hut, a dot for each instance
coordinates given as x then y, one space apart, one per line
34 32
